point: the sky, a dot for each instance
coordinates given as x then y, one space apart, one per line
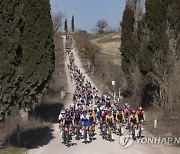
88 12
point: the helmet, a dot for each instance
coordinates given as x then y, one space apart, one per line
114 111
72 105
63 112
133 111
140 108
90 109
108 98
76 111
84 111
109 110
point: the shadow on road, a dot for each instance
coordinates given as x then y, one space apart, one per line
30 139
48 112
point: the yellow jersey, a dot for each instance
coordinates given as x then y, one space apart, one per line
133 118
109 118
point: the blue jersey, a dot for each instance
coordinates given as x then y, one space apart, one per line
84 119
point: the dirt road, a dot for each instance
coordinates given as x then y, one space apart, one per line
98 146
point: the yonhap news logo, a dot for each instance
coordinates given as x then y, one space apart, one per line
127 141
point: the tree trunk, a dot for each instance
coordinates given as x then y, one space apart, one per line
24 115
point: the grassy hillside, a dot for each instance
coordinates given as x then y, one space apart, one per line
109 42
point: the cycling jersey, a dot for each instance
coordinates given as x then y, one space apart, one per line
133 118
84 119
140 114
108 104
109 118
61 117
103 115
77 118
120 115
68 121
91 118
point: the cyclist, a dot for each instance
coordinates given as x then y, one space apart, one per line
110 122
60 119
127 112
141 116
91 121
67 123
84 121
108 103
68 120
133 120
76 121
120 119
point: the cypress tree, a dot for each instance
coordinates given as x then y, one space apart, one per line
155 54
72 24
65 26
129 44
26 53
10 52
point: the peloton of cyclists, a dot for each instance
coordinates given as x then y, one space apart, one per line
89 107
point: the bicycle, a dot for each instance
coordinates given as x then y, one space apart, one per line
91 129
104 131
119 127
77 132
140 128
109 132
66 136
134 131
85 133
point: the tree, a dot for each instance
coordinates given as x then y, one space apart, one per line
27 61
129 45
57 21
87 48
101 25
72 24
137 7
65 26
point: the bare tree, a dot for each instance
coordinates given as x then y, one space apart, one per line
101 25
87 48
57 21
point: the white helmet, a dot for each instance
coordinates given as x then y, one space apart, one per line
63 112
72 105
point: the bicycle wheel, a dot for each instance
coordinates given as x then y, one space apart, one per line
64 137
67 136
85 135
104 132
78 133
140 131
120 130
133 133
90 131
110 134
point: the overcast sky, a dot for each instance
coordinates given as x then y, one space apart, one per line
88 12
